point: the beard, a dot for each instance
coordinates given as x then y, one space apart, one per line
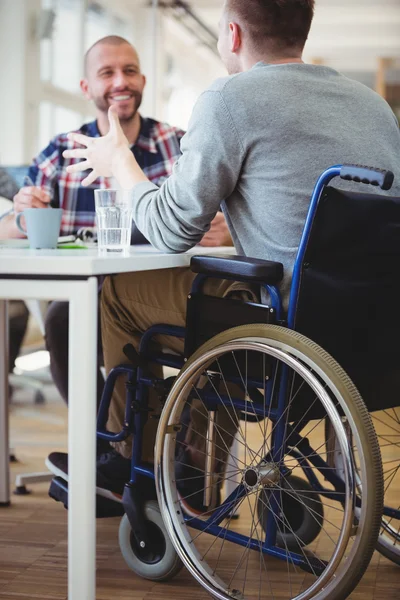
125 115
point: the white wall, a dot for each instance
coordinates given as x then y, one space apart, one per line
17 81
195 67
352 35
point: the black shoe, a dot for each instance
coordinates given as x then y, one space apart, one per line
112 472
190 483
57 463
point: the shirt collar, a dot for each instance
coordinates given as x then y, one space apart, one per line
91 129
145 140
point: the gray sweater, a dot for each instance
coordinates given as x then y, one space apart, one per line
256 144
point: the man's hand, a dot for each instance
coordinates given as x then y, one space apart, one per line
107 156
218 234
30 197
27 197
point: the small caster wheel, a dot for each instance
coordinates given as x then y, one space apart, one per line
22 490
159 562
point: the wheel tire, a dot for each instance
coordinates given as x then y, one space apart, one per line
159 563
385 550
351 569
305 518
388 540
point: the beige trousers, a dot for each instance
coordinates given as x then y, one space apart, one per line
130 304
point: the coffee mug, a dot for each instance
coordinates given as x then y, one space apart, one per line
42 226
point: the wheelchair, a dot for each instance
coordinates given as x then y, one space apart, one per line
308 478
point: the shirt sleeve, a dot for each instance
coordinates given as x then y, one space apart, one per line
175 216
43 170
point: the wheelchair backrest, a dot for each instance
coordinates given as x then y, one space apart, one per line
349 294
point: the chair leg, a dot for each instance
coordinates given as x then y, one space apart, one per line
12 456
28 382
22 480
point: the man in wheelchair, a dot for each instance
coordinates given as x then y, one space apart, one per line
257 142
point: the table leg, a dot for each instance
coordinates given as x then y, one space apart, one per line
4 451
82 439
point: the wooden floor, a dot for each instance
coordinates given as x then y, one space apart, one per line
33 531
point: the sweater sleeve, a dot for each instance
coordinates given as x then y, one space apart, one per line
175 216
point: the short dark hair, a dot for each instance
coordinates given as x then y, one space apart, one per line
112 40
274 24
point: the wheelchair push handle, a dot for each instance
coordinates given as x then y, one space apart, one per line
369 175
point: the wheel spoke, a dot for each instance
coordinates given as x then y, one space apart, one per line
314 522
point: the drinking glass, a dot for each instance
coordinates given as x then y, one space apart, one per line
114 219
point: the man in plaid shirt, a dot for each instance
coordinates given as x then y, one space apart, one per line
112 77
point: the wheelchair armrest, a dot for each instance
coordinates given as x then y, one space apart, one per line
241 268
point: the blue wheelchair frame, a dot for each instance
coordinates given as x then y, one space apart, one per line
139 382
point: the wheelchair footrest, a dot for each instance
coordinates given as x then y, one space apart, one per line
104 506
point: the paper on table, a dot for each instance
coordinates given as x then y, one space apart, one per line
15 243
24 243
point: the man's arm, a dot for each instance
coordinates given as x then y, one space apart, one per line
43 174
174 217
8 228
27 197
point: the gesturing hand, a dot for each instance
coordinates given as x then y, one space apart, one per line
99 154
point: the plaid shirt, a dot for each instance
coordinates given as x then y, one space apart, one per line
156 151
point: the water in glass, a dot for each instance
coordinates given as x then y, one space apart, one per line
114 227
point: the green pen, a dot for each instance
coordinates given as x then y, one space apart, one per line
71 247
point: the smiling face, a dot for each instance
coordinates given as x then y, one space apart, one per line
113 77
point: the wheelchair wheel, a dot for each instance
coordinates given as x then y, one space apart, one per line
280 437
158 563
302 509
387 427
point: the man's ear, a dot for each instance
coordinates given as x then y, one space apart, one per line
85 88
235 36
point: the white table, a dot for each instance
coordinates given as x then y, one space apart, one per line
70 275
